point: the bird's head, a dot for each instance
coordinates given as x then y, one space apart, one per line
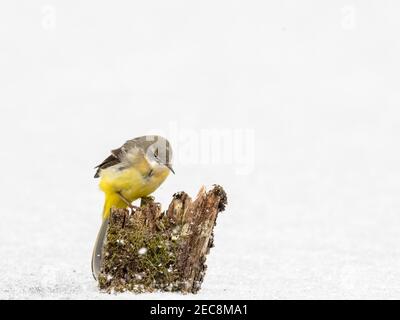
159 150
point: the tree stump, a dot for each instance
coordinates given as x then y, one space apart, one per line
150 250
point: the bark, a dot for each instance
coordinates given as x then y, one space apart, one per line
149 250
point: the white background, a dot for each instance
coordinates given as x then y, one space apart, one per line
317 81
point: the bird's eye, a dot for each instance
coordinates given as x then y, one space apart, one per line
156 153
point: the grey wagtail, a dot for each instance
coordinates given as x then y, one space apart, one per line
132 171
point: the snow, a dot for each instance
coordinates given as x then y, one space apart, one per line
307 91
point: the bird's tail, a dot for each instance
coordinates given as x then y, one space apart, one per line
98 247
108 204
112 200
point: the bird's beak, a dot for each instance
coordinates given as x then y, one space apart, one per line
170 168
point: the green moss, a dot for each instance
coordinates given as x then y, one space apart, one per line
138 258
151 250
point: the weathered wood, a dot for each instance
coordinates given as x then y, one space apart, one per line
150 250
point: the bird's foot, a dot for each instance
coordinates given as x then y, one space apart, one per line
129 204
146 200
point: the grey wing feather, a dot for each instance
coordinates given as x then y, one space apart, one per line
97 255
117 154
112 160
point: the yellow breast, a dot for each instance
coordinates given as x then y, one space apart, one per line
135 181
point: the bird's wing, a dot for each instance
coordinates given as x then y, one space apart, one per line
112 160
117 155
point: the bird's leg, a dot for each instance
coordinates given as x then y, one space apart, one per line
146 200
130 205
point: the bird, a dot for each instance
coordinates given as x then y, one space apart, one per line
133 171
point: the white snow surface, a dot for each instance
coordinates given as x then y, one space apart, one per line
317 213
